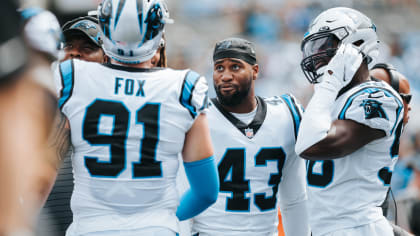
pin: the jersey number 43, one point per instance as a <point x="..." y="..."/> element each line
<point x="234" y="162"/>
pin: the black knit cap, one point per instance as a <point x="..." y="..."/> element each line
<point x="235" y="48"/>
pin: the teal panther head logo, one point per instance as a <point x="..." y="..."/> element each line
<point x="373" y="109"/>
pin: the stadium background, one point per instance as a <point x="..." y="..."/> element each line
<point x="277" y="27"/>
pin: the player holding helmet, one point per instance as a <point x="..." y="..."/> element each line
<point x="351" y="128"/>
<point x="129" y="122"/>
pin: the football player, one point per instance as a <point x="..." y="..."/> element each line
<point x="28" y="104"/>
<point x="83" y="40"/>
<point x="129" y="121"/>
<point x="254" y="140"/>
<point x="387" y="73"/>
<point x="351" y="127"/>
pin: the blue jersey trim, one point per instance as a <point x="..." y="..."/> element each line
<point x="67" y="79"/>
<point x="297" y="117"/>
<point x="188" y="86"/>
<point x="342" y="114"/>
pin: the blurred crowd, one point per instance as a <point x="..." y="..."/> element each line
<point x="277" y="27"/>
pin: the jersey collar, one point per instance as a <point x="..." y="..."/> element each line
<point x="248" y="130"/>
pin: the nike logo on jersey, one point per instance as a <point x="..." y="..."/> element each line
<point x="377" y="94"/>
<point x="128" y="86"/>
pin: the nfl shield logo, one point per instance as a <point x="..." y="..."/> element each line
<point x="249" y="132"/>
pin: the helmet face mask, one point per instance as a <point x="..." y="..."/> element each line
<point x="132" y="28"/>
<point x="317" y="52"/>
<point x="328" y="31"/>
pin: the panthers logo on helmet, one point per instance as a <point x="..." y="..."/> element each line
<point x="373" y="109"/>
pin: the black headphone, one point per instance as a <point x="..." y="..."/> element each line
<point x="394" y="77"/>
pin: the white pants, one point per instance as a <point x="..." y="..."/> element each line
<point x="377" y="228"/>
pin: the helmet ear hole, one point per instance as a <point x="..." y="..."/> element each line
<point x="358" y="42"/>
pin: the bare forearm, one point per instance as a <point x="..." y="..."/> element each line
<point x="344" y="137"/>
<point x="59" y="140"/>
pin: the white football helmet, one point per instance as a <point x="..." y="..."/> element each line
<point x="329" y="30"/>
<point x="132" y="28"/>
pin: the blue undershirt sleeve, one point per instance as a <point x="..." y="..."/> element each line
<point x="204" y="188"/>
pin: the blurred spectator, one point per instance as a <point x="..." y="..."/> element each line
<point x="261" y="24"/>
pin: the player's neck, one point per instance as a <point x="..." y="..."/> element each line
<point x="362" y="75"/>
<point x="146" y="65"/>
<point x="246" y="106"/>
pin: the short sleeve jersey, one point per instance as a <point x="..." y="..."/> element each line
<point x="348" y="191"/>
<point x="128" y="126"/>
<point x="258" y="168"/>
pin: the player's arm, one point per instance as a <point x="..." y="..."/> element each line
<point x="59" y="139"/>
<point x="200" y="169"/>
<point x="58" y="143"/>
<point x="58" y="146"/>
<point x="292" y="197"/>
<point x="317" y="130"/>
<point x="343" y="138"/>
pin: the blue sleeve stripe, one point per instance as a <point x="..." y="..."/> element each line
<point x="67" y="79"/>
<point x="297" y="117"/>
<point x="342" y="114"/>
<point x="188" y="86"/>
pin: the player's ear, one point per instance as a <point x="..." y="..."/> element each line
<point x="106" y="59"/>
<point x="156" y="58"/>
<point x="255" y="70"/>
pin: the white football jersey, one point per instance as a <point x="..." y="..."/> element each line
<point x="128" y="126"/>
<point x="347" y="192"/>
<point x="256" y="163"/>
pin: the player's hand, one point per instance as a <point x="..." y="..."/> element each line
<point x="340" y="70"/>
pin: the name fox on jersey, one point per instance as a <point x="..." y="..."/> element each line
<point x="130" y="85"/>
